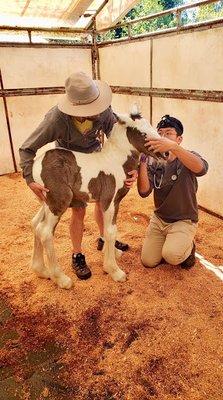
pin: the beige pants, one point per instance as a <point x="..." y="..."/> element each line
<point x="171" y="241"/>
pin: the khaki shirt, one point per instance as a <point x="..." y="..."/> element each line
<point x="60" y="127"/>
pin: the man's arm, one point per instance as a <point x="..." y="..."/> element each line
<point x="190" y="160"/>
<point x="143" y="183"/>
<point x="48" y="131"/>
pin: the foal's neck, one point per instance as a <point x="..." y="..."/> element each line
<point x="118" y="142"/>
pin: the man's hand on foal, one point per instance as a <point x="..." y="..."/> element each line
<point x="161" y="145"/>
<point x="39" y="190"/>
<point x="133" y="177"/>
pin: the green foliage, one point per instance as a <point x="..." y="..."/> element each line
<point x="166" y="4"/>
<point x="169" y="20"/>
<point x="148" y="7"/>
<point x="210" y="11"/>
<point x="145" y="7"/>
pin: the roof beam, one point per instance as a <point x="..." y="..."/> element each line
<point x="43" y="29"/>
<point x="97" y="12"/>
<point x="25" y="7"/>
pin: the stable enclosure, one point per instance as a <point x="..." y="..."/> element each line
<point x="177" y="73"/>
<point x="159" y="335"/>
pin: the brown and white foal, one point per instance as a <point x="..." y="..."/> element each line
<point x="97" y="177"/>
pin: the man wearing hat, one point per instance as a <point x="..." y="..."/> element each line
<point x="75" y="124"/>
<point x="171" y="231"/>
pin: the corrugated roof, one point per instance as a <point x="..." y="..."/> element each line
<point x="113" y="11"/>
<point x="53" y="13"/>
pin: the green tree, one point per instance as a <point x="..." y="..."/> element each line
<point x="146" y="7"/>
<point x="169" y="20"/>
<point x="210" y="11"/>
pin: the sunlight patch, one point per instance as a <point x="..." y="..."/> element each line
<point x="217" y="270"/>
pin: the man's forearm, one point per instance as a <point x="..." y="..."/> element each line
<point x="26" y="163"/>
<point x="48" y="131"/>
<point x="190" y="160"/>
<point x="143" y="183"/>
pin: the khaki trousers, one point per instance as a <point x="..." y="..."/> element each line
<point x="171" y="241"/>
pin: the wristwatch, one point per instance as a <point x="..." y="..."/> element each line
<point x="143" y="158"/>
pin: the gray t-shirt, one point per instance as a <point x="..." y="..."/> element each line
<point x="175" y="188"/>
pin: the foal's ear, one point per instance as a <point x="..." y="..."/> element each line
<point x="135" y="112"/>
<point x="136" y="116"/>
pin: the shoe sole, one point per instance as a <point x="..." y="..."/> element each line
<point x="85" y="277"/>
<point x="188" y="267"/>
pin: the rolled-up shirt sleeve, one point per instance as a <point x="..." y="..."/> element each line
<point x="205" y="163"/>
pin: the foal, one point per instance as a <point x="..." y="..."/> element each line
<point x="88" y="177"/>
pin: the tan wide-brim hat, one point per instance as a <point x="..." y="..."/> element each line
<point x="84" y="96"/>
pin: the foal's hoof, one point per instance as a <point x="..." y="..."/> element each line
<point x="43" y="275"/>
<point x="40" y="272"/>
<point x="119" y="276"/>
<point x="65" y="282"/>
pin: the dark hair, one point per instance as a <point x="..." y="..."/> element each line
<point x="171" y="122"/>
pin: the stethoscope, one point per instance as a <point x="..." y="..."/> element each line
<point x="174" y="177"/>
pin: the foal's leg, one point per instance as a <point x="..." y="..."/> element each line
<point x="110" y="229"/>
<point x="45" y="230"/>
<point x="121" y="193"/>
<point x="118" y="253"/>
<point x="38" y="264"/>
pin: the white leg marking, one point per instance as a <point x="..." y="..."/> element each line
<point x="37" y="263"/>
<point x="110" y="265"/>
<point x="45" y="231"/>
<point x="118" y="253"/>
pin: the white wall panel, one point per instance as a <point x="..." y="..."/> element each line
<point x="126" y="64"/>
<point x="193" y="60"/>
<point x="6" y="164"/>
<point x="26" y="113"/>
<point x="203" y="125"/>
<point x="40" y="67"/>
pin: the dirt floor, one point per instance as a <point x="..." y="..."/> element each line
<point x="157" y="336"/>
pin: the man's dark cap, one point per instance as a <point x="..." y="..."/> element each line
<point x="171" y="122"/>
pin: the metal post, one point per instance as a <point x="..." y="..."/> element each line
<point x="129" y="31"/>
<point x="95" y="54"/>
<point x="30" y="36"/>
<point x="151" y="80"/>
<point x="8" y="123"/>
<point x="93" y="57"/>
<point x="178" y="18"/>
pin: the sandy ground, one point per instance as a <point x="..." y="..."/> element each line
<point x="157" y="336"/>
